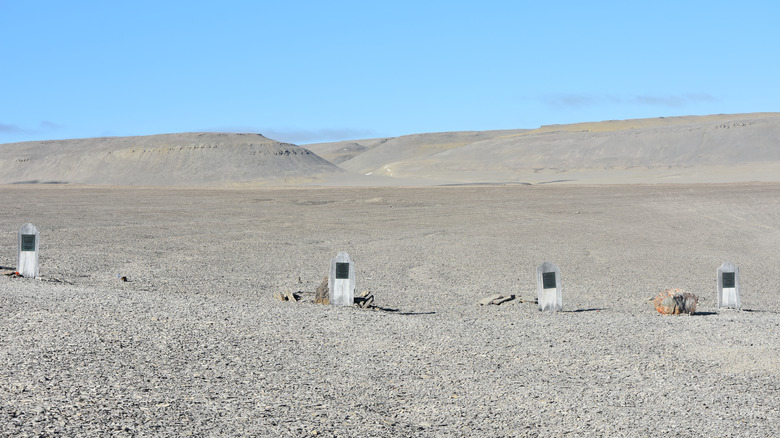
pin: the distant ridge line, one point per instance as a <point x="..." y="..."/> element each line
<point x="710" y="148"/>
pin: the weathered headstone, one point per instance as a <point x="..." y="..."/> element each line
<point x="728" y="286"/>
<point x="341" y="281"/>
<point x="548" y="280"/>
<point x="27" y="255"/>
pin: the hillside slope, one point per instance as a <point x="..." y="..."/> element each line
<point x="705" y="147"/>
<point x="166" y="160"/>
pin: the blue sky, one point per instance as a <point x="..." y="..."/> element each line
<point x="310" y="71"/>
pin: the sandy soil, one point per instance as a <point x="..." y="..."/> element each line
<point x="195" y="344"/>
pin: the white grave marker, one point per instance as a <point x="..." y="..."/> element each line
<point x="728" y="286"/>
<point x="27" y="255"/>
<point x="548" y="280"/>
<point x="341" y="281"/>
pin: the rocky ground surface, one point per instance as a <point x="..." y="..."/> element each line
<point x="195" y="344"/>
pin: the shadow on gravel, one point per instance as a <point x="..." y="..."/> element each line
<point x="398" y="312"/>
<point x="598" y="309"/>
<point x="35" y="181"/>
<point x="555" y="181"/>
<point x="704" y="313"/>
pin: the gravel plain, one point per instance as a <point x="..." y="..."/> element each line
<point x="195" y="344"/>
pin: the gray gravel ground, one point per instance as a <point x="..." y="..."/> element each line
<point x="194" y="343"/>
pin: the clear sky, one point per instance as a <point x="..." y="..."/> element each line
<point x="310" y="71"/>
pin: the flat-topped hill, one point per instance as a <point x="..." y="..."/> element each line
<point x="160" y="160"/>
<point x="735" y="147"/>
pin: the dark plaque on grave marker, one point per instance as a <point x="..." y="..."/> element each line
<point x="548" y="280"/>
<point x="28" y="242"/>
<point x="729" y="281"/>
<point x="342" y="271"/>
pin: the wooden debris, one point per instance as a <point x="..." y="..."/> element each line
<point x="489" y="300"/>
<point x="496" y="299"/>
<point x="286" y="296"/>
<point x="364" y="300"/>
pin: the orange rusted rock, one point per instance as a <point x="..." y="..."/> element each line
<point x="675" y="302"/>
